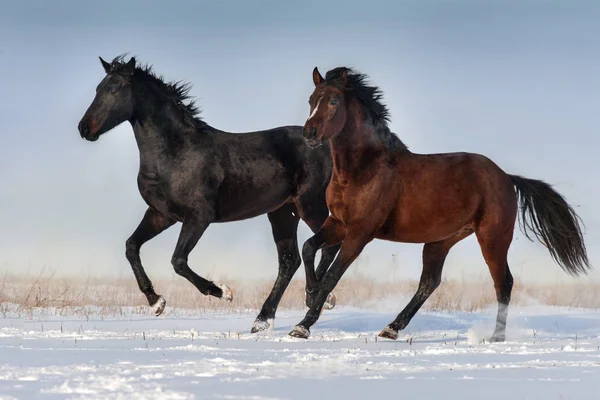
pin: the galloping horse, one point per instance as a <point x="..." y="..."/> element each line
<point x="193" y="173"/>
<point x="381" y="190"/>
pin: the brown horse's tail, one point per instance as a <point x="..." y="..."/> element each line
<point x="546" y="214"/>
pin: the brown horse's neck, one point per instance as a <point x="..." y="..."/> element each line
<point x="354" y="149"/>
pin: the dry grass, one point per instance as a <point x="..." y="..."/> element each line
<point x="26" y="295"/>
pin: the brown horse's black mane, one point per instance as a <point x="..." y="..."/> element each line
<point x="370" y="97"/>
<point x="178" y="91"/>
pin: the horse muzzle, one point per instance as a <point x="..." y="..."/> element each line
<point x="86" y="130"/>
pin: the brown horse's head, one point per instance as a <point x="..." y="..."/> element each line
<point x="327" y="107"/>
<point x="343" y="101"/>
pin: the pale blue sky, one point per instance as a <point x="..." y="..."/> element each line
<point x="518" y="82"/>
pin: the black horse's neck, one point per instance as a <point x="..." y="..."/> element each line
<point x="162" y="128"/>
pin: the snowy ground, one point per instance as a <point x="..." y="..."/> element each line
<point x="551" y="353"/>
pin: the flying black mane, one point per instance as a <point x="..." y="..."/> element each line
<point x="371" y="99"/>
<point x="178" y="91"/>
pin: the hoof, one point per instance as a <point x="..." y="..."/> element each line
<point x="159" y="306"/>
<point x="388" y="333"/>
<point x="227" y="293"/>
<point x="299" y="332"/>
<point x="262" y="325"/>
<point x="330" y="302"/>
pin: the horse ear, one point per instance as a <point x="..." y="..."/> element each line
<point x="344" y="77"/>
<point x="130" y="66"/>
<point x="317" y="78"/>
<point x="106" y="65"/>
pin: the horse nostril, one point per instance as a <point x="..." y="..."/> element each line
<point x="84" y="128"/>
<point x="310" y="133"/>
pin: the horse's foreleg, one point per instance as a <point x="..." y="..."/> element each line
<point x="191" y="231"/>
<point x="327" y="257"/>
<point x="351" y="248"/>
<point x="327" y="238"/>
<point x="151" y="225"/>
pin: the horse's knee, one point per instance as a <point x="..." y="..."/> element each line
<point x="328" y="253"/>
<point x="292" y="260"/>
<point x="428" y="286"/>
<point x="308" y="250"/>
<point x="291" y="265"/>
<point x="179" y="265"/>
<point x="435" y="282"/>
<point x="287" y="251"/>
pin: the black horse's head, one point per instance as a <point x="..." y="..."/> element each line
<point x="114" y="101"/>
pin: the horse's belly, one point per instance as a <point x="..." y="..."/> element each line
<point x="425" y="227"/>
<point x="422" y="235"/>
<point x="238" y="205"/>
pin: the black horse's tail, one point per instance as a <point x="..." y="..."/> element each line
<point x="546" y="214"/>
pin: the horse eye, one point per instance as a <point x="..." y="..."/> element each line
<point x="333" y="102"/>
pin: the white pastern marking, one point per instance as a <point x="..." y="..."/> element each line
<point x="227" y="293"/>
<point x="159" y="306"/>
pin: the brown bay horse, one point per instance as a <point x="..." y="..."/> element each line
<point x="381" y="190"/>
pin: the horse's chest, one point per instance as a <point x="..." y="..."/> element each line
<point x="155" y="193"/>
<point x="339" y="202"/>
<point x="359" y="201"/>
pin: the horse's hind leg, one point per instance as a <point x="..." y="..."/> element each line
<point x="284" y="223"/>
<point x="494" y="246"/>
<point x="151" y="225"/>
<point x="434" y="255"/>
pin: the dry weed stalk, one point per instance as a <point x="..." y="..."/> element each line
<point x="106" y="297"/>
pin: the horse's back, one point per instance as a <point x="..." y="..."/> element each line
<point x="265" y="169"/>
<point x="308" y="169"/>
<point x="460" y="170"/>
<point x="442" y="194"/>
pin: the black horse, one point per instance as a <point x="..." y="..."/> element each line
<point x="193" y="173"/>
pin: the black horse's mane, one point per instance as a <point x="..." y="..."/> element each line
<point x="371" y="99"/>
<point x="177" y="91"/>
